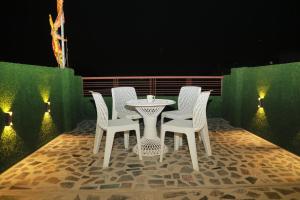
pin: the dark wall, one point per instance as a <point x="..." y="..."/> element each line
<point x="23" y="91"/>
<point x="278" y="120"/>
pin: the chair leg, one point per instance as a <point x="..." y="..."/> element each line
<point x="205" y="138"/>
<point x="199" y="136"/>
<point x="162" y="143"/>
<point x="180" y="140"/>
<point x="138" y="141"/>
<point x="193" y="150"/>
<point x="176" y="141"/>
<point x="108" y="147"/>
<point x="114" y="114"/>
<point x="162" y="120"/>
<point x="126" y="139"/>
<point x="98" y="137"/>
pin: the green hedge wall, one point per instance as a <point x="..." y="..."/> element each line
<point x="23" y="91"/>
<point x="279" y="120"/>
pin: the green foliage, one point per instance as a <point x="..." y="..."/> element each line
<point x="278" y="121"/>
<point x="23" y="90"/>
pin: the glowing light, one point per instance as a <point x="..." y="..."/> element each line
<point x="261" y="94"/>
<point x="260" y="102"/>
<point x="259" y="120"/>
<point x="262" y="87"/>
<point x="45" y="95"/>
<point x="8" y="119"/>
<point x="6" y="102"/>
<point x="8" y="139"/>
<point x="260" y="113"/>
<point x="44" y="89"/>
<point x="47" y="106"/>
<point x="5" y="107"/>
<point x="262" y="90"/>
<point x="47" y="127"/>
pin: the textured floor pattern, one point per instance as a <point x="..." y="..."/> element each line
<point x="243" y="166"/>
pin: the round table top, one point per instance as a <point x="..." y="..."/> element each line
<point x="145" y="102"/>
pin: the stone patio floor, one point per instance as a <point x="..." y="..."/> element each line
<point x="243" y="166"/>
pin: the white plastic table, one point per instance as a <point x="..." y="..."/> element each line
<point x="150" y="142"/>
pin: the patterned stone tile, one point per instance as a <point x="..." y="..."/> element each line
<point x="243" y="166"/>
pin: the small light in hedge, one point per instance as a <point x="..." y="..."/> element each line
<point x="47" y="106"/>
<point x="260" y="102"/>
<point x="8" y="119"/>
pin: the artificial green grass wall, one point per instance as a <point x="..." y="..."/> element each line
<point x="23" y="91"/>
<point x="278" y="121"/>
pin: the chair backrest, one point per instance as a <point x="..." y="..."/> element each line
<point x="187" y="98"/>
<point x="120" y="95"/>
<point x="199" y="112"/>
<point x="102" y="111"/>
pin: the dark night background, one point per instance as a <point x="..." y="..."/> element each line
<point x="155" y="37"/>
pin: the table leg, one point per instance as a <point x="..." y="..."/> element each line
<point x="150" y="131"/>
<point x="150" y="142"/>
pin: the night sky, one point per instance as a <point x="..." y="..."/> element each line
<point x="156" y="37"/>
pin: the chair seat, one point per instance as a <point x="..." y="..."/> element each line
<point x="177" y="114"/>
<point x="129" y="115"/>
<point x="121" y="123"/>
<point x="179" y="125"/>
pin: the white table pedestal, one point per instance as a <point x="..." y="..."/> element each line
<point x="150" y="142"/>
<point x="150" y="147"/>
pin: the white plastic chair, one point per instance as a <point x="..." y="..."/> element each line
<point x="189" y="127"/>
<point x="111" y="127"/>
<point x="186" y="100"/>
<point x="120" y="95"/>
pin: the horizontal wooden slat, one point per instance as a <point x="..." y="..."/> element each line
<point x="156" y="85"/>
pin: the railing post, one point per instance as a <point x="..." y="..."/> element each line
<point x="154" y="86"/>
<point x="188" y="81"/>
<point x="221" y="89"/>
<point x="151" y="89"/>
<point x="115" y="82"/>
